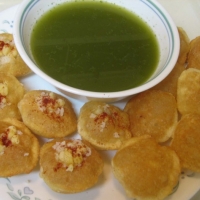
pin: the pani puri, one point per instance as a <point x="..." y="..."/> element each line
<point x="188" y="91"/>
<point x="11" y="92"/>
<point x="48" y="114"/>
<point x="10" y="60"/>
<point x="193" y="59"/>
<point x="154" y="113"/>
<point x="19" y="148"/>
<point x="169" y="84"/>
<point x="145" y="169"/>
<point x="186" y="142"/>
<point x="70" y="166"/>
<point x="184" y="46"/>
<point x="104" y="126"/>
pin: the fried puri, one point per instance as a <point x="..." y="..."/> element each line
<point x="10" y="60"/>
<point x="48" y="114"/>
<point x="188" y="91"/>
<point x="186" y="142"/>
<point x="19" y="148"/>
<point x="169" y="84"/>
<point x="104" y="126"/>
<point x="184" y="46"/>
<point x="154" y="113"/>
<point x="193" y="59"/>
<point x="70" y="166"/>
<point x="11" y="92"/>
<point x="145" y="169"/>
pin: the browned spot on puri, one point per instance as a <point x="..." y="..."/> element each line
<point x="102" y="116"/>
<point x="1" y="45"/>
<point x="58" y="166"/>
<point x="4" y="138"/>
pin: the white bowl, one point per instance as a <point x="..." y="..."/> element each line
<point x="149" y="10"/>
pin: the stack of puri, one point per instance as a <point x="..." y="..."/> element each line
<point x="165" y="128"/>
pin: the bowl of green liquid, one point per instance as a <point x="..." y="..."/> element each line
<point x="97" y="49"/>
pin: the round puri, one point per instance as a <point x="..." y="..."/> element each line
<point x="146" y="170"/>
<point x="11" y="92"/>
<point x="19" y="148"/>
<point x="10" y="60"/>
<point x="169" y="84"/>
<point x="104" y="126"/>
<point x="153" y="113"/>
<point x="184" y="46"/>
<point x="186" y="142"/>
<point x="193" y="58"/>
<point x="69" y="166"/>
<point x="188" y="91"/>
<point x="48" y="114"/>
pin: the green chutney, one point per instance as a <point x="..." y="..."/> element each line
<point x="95" y="46"/>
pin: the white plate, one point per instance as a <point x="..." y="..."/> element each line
<point x="32" y="187"/>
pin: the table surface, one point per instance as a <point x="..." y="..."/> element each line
<point x="4" y="4"/>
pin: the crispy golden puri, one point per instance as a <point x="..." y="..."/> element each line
<point x="188" y="91"/>
<point x="11" y="92"/>
<point x="70" y="166"/>
<point x="48" y="114"/>
<point x="104" y="126"/>
<point x="146" y="170"/>
<point x="154" y="113"/>
<point x="19" y="148"/>
<point x="186" y="142"/>
<point x="10" y="60"/>
<point x="169" y="84"/>
<point x="193" y="59"/>
<point x="184" y="46"/>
